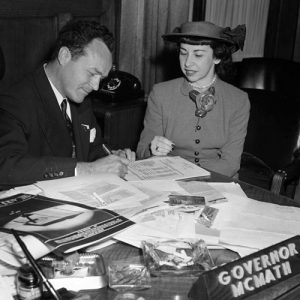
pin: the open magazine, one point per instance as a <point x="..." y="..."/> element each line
<point x="61" y="225"/>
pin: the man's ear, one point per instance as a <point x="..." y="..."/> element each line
<point x="64" y="55"/>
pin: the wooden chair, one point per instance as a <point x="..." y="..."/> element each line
<point x="271" y="157"/>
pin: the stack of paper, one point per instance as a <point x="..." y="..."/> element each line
<point x="101" y="191"/>
<point x="253" y="224"/>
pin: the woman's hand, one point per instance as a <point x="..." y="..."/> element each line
<point x="161" y="146"/>
<point x="126" y="153"/>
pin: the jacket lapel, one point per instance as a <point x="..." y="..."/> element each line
<point x="81" y="133"/>
<point x="50" y="117"/>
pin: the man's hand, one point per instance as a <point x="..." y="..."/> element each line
<point x="112" y="164"/>
<point x="126" y="153"/>
<point x="161" y="146"/>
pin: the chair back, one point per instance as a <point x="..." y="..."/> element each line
<point x="271" y="74"/>
<point x="273" y="87"/>
<point x="273" y="128"/>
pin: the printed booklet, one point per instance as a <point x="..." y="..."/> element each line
<point x="61" y="225"/>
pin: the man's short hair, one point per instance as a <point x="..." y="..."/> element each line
<point x="77" y="34"/>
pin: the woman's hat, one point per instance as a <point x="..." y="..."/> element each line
<point x="205" y="30"/>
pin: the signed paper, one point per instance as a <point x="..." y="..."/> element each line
<point x="164" y="167"/>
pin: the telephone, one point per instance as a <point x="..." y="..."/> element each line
<point x="120" y="86"/>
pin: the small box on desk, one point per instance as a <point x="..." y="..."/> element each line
<point x="259" y="272"/>
<point x="84" y="272"/>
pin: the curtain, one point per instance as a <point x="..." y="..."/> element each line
<point x="253" y="13"/>
<point x="142" y="49"/>
<point x="283" y="30"/>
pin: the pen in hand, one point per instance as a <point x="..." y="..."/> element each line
<point x="106" y="149"/>
<point x="121" y="153"/>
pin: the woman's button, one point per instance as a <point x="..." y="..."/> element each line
<point x="196" y="152"/>
<point x="197" y="141"/>
<point x="198" y="127"/>
<point x="196" y="160"/>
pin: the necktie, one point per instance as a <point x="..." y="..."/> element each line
<point x="68" y="124"/>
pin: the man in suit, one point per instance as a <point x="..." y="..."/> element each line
<point x="47" y="127"/>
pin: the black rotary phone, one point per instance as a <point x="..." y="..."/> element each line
<point x="119" y="86"/>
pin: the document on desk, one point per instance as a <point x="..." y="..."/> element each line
<point x="143" y="232"/>
<point x="249" y="223"/>
<point x="101" y="191"/>
<point x="160" y="220"/>
<point x="203" y="189"/>
<point x="164" y="221"/>
<point x="164" y="167"/>
<point x="26" y="189"/>
<point x="6" y="288"/>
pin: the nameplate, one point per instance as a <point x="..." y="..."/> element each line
<point x="250" y="274"/>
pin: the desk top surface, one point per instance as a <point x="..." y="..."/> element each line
<point x="177" y="288"/>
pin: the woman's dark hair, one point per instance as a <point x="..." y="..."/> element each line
<point x="221" y="50"/>
<point x="77" y="34"/>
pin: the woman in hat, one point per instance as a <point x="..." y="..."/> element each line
<point x="198" y="116"/>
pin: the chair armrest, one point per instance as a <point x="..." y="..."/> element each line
<point x="292" y="171"/>
<point x="289" y="174"/>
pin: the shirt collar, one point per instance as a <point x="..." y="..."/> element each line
<point x="58" y="95"/>
<point x="186" y="87"/>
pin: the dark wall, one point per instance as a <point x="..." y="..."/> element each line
<point x="29" y="28"/>
<point x="283" y="30"/>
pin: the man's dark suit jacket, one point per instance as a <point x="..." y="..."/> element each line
<point x="34" y="141"/>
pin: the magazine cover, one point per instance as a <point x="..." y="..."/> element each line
<point x="63" y="225"/>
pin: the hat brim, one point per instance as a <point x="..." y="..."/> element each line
<point x="176" y="37"/>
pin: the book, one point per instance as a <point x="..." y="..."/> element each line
<point x="60" y="225"/>
<point x="164" y="167"/>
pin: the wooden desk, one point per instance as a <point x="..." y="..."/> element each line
<point x="177" y="288"/>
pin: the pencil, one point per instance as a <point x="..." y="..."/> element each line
<point x="36" y="267"/>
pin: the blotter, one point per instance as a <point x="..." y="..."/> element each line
<point x="251" y="274"/>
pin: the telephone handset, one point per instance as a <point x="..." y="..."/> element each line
<point x="120" y="86"/>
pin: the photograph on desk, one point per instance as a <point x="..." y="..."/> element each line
<point x="61" y="225"/>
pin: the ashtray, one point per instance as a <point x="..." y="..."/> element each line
<point x="180" y="257"/>
<point x="125" y="276"/>
<point x="80" y="271"/>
